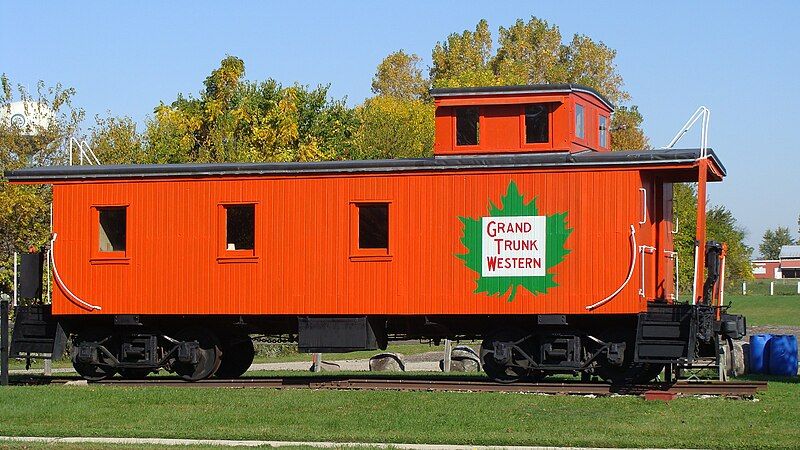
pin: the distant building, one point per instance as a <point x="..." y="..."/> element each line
<point x="786" y="266"/>
<point x="766" y="268"/>
<point x="790" y="261"/>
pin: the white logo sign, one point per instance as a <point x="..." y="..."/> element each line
<point x="513" y="246"/>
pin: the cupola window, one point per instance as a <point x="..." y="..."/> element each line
<point x="467" y="126"/>
<point x="580" y="131"/>
<point x="537" y="124"/>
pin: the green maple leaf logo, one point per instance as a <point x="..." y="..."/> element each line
<point x="513" y="204"/>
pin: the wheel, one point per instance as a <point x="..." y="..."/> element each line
<point x="92" y="371"/>
<point x="505" y="367"/>
<point x="208" y="355"/>
<point x="237" y="356"/>
<point x="134" y="374"/>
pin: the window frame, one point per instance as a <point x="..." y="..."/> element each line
<point x="551" y="107"/>
<point x="225" y="256"/>
<point x="455" y="126"/>
<point x="602" y="132"/>
<point x="99" y="257"/>
<point x="358" y="254"/>
<point x="575" y="121"/>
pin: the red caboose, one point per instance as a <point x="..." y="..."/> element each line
<point x="523" y="230"/>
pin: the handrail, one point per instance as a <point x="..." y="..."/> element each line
<point x="694" y="283"/>
<point x="88" y="153"/>
<point x="705" y="114"/>
<point x="644" y="249"/>
<point x="74" y="298"/>
<point x="627" y="279"/>
<point x="644" y="206"/>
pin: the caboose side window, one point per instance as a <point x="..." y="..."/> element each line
<point x="112" y="229"/>
<point x="240" y="227"/>
<point x="373" y="226"/>
<point x="369" y="230"/>
<point x="579" y="122"/>
<point x="537" y="124"/>
<point x="467" y="126"/>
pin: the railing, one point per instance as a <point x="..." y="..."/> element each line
<point x="84" y="152"/>
<point x="701" y="113"/>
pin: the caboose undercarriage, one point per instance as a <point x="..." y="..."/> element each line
<point x="621" y="349"/>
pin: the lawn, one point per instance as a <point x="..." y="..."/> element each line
<point x="388" y="416"/>
<point x="405" y="348"/>
<point x="8" y="445"/>
<point x="767" y="310"/>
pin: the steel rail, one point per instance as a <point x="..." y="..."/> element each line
<point x="736" y="388"/>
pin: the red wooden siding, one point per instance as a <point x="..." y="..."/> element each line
<point x="302" y="259"/>
<point x="502" y="124"/>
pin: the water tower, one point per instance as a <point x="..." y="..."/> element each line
<point x="28" y="116"/>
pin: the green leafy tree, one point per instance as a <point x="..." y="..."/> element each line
<point x="25" y="210"/>
<point x="533" y="52"/>
<point x="115" y="140"/>
<point x="394" y="128"/>
<point x="238" y="120"/>
<point x="773" y="240"/>
<point x="626" y="129"/>
<point x="721" y="226"/>
<point x="529" y="53"/>
<point x="399" y="76"/>
<point x="464" y="59"/>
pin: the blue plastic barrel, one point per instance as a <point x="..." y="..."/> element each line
<point x="759" y="356"/>
<point x="783" y="355"/>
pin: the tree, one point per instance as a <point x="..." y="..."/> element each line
<point x="529" y="53"/>
<point x="772" y="241"/>
<point x="115" y="140"/>
<point x="24" y="210"/>
<point x="463" y="60"/>
<point x="399" y="76"/>
<point x="394" y="128"/>
<point x="533" y="52"/>
<point x="238" y="120"/>
<point x="626" y="129"/>
<point x="721" y="226"/>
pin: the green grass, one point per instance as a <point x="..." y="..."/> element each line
<point x="405" y="349"/>
<point x="766" y="310"/>
<point x="388" y="416"/>
<point x="787" y="286"/>
<point x="4" y="445"/>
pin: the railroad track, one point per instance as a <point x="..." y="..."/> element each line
<point x="738" y="388"/>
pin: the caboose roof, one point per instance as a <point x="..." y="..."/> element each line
<point x="561" y="160"/>
<point x="558" y="88"/>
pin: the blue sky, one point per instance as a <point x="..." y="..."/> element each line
<point x="739" y="59"/>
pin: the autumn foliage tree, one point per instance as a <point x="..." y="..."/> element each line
<point x="399" y="76"/>
<point x="24" y="210"/>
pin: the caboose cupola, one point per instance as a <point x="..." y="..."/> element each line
<point x="521" y="119"/>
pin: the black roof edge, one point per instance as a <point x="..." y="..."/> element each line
<point x="519" y="89"/>
<point x="472" y="162"/>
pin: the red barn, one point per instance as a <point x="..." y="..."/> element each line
<point x="523" y="229"/>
